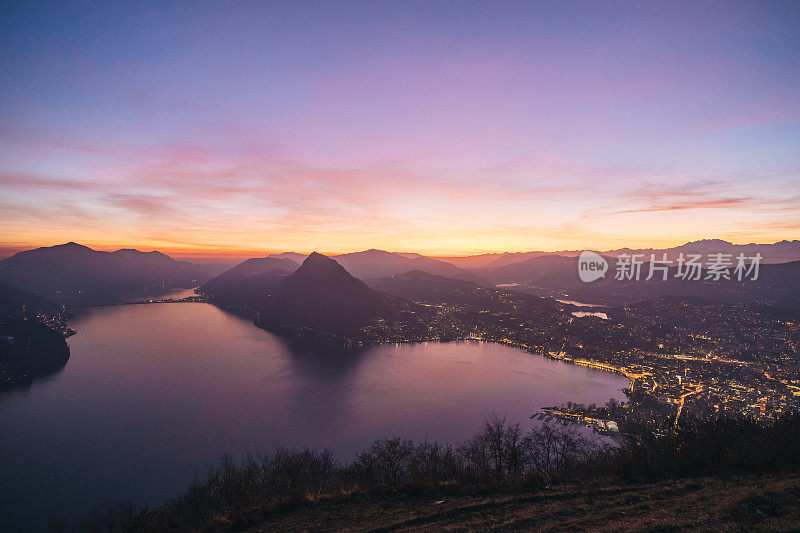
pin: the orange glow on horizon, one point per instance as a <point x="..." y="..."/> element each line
<point x="221" y="253"/>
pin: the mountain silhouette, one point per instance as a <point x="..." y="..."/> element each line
<point x="75" y="274"/>
<point x="321" y="295"/>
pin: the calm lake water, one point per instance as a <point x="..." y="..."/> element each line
<point x="154" y="393"/>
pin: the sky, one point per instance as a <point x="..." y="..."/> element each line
<point x="438" y="127"/>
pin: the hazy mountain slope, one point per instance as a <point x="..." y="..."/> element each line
<point x="248" y="283"/>
<point x="372" y="264"/>
<point x="294" y="256"/>
<point x="546" y="271"/>
<point x="470" y="261"/>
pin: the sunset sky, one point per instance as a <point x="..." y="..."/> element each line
<point x="437" y="127"/>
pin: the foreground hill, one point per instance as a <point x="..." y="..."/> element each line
<point x="75" y="274"/>
<point x="320" y="295"/>
<point x="735" y="503"/>
<point x="708" y="475"/>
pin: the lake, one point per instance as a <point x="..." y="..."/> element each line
<point x="154" y="393"/>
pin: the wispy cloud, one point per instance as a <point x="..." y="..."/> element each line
<point x="723" y="203"/>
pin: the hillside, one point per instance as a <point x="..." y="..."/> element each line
<point x="17" y="302"/>
<point x="419" y="285"/>
<point x="32" y="331"/>
<point x="545" y="271"/>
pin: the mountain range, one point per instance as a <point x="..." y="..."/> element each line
<point x="374" y="264"/>
<point x="75" y="274"/>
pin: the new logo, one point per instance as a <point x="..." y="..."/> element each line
<point x="591" y="266"/>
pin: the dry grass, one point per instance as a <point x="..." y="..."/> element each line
<point x="737" y="503"/>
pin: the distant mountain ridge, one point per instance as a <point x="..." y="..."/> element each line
<point x="75" y="274"/>
<point x="777" y="284"/>
<point x="779" y="252"/>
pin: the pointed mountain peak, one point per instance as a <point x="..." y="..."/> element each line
<point x="317" y="257"/>
<point x="322" y="295"/>
<point x="317" y="264"/>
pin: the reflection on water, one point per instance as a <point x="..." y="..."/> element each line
<point x="153" y="394"/>
<point x="577" y="304"/>
<point x="580" y="314"/>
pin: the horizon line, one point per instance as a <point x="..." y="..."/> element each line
<point x="9" y="249"/>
